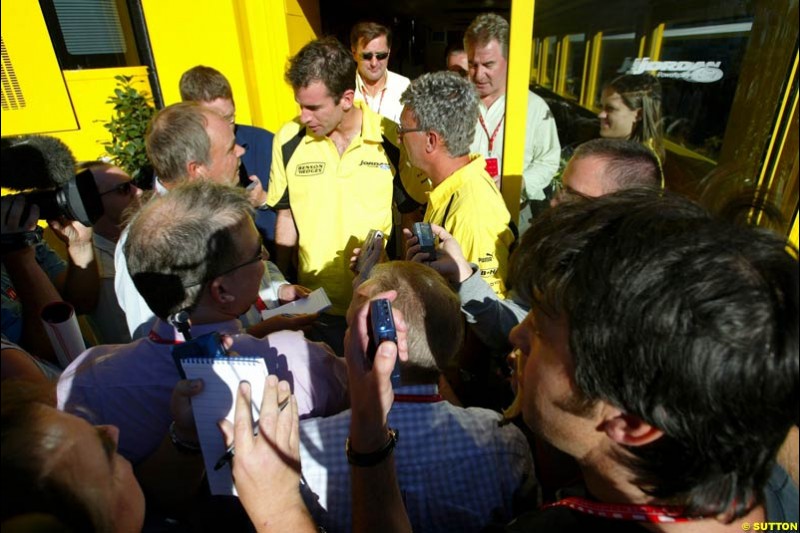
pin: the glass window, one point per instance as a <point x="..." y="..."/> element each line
<point x="90" y="33"/>
<point x="699" y="72"/>
<point x="550" y="59"/>
<point x="535" y="51"/>
<point x="617" y="52"/>
<point x="574" y="71"/>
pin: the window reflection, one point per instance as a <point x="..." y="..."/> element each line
<point x="699" y="72"/>
<point x="616" y="50"/>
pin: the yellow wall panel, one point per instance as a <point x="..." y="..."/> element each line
<point x="300" y="33"/>
<point x="307" y="9"/>
<point x="90" y="89"/>
<point x="198" y="32"/>
<point x="250" y="41"/>
<point x="38" y="102"/>
<point x="266" y="54"/>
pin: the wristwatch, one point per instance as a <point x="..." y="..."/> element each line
<point x="11" y="242"/>
<point x="372" y="458"/>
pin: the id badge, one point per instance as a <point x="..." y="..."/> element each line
<point x="491" y="166"/>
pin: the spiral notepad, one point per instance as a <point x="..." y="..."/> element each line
<point x="221" y="377"/>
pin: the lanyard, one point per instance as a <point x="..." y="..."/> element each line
<point x="158" y="339"/>
<point x="418" y="398"/>
<point x="494" y="134"/>
<point x="638" y="513"/>
<point x="380" y="102"/>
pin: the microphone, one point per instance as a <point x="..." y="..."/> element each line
<point x="36" y="162"/>
<point x="46" y="165"/>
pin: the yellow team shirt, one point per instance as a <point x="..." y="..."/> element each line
<point x="335" y="200"/>
<point x="470" y="207"/>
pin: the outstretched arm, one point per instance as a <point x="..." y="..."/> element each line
<point x="377" y="502"/>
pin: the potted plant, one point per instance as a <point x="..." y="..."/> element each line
<point x="132" y="114"/>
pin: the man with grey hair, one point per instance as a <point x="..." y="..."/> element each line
<point x="194" y="250"/>
<point x="436" y="128"/>
<point x="211" y="89"/>
<point x="187" y="142"/>
<point x="597" y="168"/>
<point x="486" y="42"/>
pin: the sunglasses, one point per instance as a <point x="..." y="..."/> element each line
<point x="123" y="189"/>
<point x="367" y="56"/>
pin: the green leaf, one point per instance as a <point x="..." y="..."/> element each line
<point x="132" y="113"/>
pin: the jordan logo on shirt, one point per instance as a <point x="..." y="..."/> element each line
<point x="376" y="164"/>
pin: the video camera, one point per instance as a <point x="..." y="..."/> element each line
<point x="44" y="167"/>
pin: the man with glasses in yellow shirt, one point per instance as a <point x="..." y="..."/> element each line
<point x="464" y="199"/>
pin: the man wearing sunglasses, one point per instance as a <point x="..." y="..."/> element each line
<point x="371" y="44"/>
<point x="117" y="193"/>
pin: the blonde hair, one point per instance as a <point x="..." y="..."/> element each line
<point x="432" y="312"/>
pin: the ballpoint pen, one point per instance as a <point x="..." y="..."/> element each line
<point x="230" y="452"/>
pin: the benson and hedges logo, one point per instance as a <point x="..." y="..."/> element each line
<point x="310" y="169"/>
<point x="691" y="71"/>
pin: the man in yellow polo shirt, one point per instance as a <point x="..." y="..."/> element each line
<point x="334" y="174"/>
<point x="436" y="128"/>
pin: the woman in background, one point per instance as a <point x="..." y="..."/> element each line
<point x="631" y="109"/>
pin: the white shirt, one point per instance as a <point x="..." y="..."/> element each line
<point x="387" y="101"/>
<point x="542" y="149"/>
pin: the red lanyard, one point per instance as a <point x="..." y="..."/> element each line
<point x="639" y="513"/>
<point x="418" y="398"/>
<point x="383" y="92"/>
<point x="260" y="305"/>
<point x="158" y="339"/>
<point x="493" y="135"/>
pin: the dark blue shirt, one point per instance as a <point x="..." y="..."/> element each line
<point x="257" y="159"/>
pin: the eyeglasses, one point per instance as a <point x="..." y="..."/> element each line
<point x="402" y="131"/>
<point x="565" y="193"/>
<point x="367" y="56"/>
<point x="124" y="189"/>
<point x="261" y="255"/>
